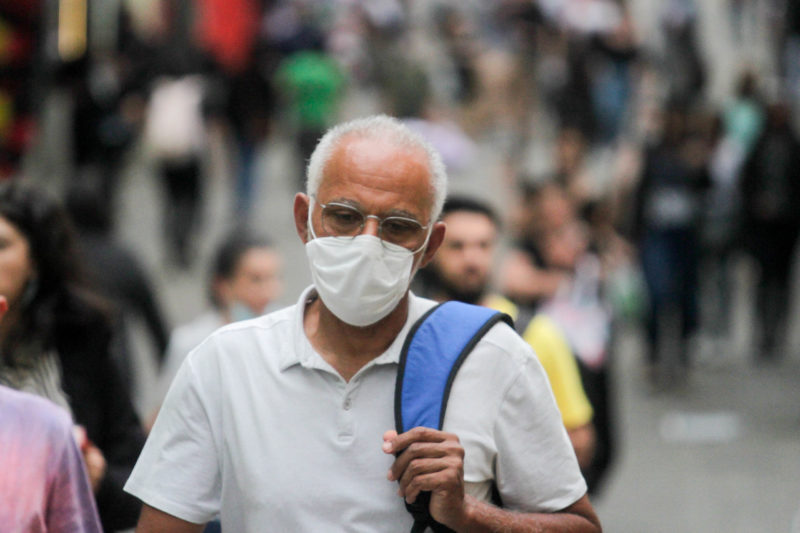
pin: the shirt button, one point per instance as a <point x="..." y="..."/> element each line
<point x="347" y="403"/>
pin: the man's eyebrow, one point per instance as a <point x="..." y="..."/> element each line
<point x="402" y="213"/>
<point x="394" y="212"/>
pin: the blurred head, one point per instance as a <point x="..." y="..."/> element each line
<point x="39" y="268"/>
<point x="561" y="236"/>
<point x="462" y="267"/>
<point x="37" y="245"/>
<point x="554" y="206"/>
<point x="570" y="150"/>
<point x="246" y="276"/>
<point x="563" y="245"/>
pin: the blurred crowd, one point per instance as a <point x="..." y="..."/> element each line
<point x="638" y="186"/>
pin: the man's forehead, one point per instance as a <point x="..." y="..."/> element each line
<point x="377" y="167"/>
<point x="468" y="221"/>
<point x="375" y="154"/>
<point x="462" y="233"/>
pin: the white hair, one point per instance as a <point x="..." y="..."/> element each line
<point x="385" y="127"/>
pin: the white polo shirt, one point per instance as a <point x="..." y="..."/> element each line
<point x="259" y="428"/>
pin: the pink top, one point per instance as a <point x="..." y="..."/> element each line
<point x="43" y="481"/>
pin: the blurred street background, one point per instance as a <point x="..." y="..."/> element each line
<point x="193" y="118"/>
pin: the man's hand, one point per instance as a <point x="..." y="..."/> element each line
<point x="433" y="461"/>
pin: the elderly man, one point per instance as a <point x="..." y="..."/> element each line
<point x="283" y="423"/>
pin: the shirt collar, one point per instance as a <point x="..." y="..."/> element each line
<point x="303" y="353"/>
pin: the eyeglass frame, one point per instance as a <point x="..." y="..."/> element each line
<point x="425" y="227"/>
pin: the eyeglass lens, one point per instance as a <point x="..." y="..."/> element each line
<point x="346" y="221"/>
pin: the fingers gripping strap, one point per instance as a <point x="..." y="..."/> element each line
<point x="432" y="354"/>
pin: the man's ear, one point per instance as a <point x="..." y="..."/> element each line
<point x="436" y="239"/>
<point x="302" y="204"/>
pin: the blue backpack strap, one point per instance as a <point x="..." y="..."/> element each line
<point x="436" y="346"/>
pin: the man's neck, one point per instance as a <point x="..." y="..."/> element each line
<point x="348" y="348"/>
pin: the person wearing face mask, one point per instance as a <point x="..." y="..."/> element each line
<point x="244" y="283"/>
<point x="284" y="422"/>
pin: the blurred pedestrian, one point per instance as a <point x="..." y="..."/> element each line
<point x="43" y="481"/>
<point x="175" y="128"/>
<point x="55" y="341"/>
<point x="234" y="36"/>
<point x="580" y="308"/>
<point x="245" y="282"/>
<point x="311" y="85"/>
<point x="669" y="195"/>
<point x="771" y="193"/>
<point x="720" y="231"/>
<point x="554" y="271"/>
<point x="524" y="276"/>
<point x="118" y="275"/>
<point x="175" y="136"/>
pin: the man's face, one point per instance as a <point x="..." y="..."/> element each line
<point x="463" y="262"/>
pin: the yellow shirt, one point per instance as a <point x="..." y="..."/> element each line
<point x="558" y="361"/>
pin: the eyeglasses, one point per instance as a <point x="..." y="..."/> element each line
<point x="343" y="220"/>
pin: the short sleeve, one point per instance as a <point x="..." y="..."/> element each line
<point x="536" y="469"/>
<point x="178" y="471"/>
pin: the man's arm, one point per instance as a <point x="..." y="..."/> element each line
<point x="154" y="521"/>
<point x="485" y="517"/>
<point x="433" y="461"/>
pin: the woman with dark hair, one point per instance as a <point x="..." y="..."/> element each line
<point x="55" y="341"/>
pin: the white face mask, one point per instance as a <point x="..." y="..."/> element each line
<point x="360" y="279"/>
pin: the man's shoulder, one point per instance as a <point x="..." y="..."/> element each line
<point x="501" y="341"/>
<point x="248" y="338"/>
